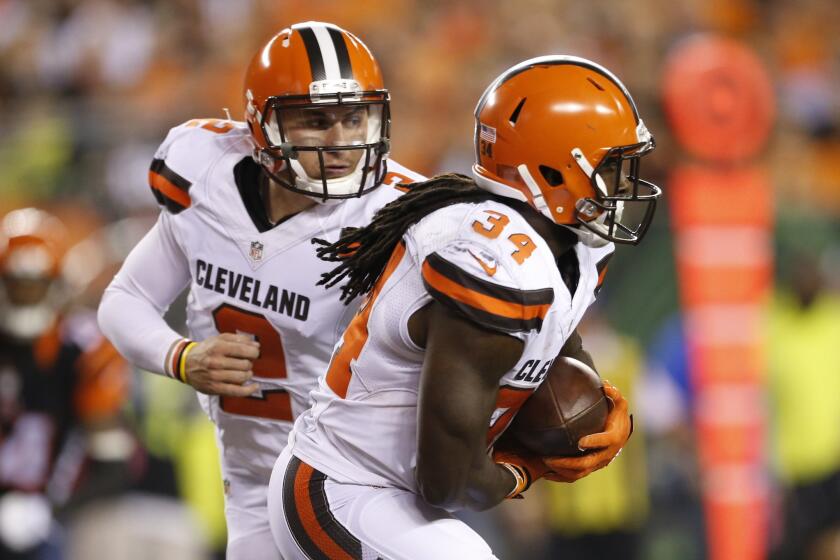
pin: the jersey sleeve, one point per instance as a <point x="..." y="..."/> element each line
<point x="183" y="158"/>
<point x="130" y="313"/>
<point x="471" y="272"/>
<point x="471" y="280"/>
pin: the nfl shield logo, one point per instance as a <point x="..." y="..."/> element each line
<point x="256" y="250"/>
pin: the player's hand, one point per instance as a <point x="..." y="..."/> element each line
<point x="605" y="445"/>
<point x="222" y="365"/>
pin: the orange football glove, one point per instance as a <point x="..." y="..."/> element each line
<point x="605" y="445"/>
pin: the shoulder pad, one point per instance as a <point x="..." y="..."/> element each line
<point x="476" y="275"/>
<point x="184" y="157"/>
<point x="497" y="305"/>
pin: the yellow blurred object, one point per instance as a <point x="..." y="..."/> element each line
<point x="34" y="156"/>
<point x="805" y="387"/>
<point x="200" y="477"/>
<point x="614" y="498"/>
<point x="177" y="429"/>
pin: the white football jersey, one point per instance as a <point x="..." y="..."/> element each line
<point x="249" y="277"/>
<point x="481" y="259"/>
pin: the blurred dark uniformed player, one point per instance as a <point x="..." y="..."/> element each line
<point x="61" y="386"/>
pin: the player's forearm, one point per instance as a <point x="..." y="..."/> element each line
<point x="136" y="329"/>
<point x="130" y="314"/>
<point x="489" y="484"/>
<point x="451" y="486"/>
<point x="454" y="470"/>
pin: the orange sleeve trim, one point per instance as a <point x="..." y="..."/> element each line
<point x="169" y="190"/>
<point x="481" y="301"/>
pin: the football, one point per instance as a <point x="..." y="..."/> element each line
<point x="569" y="404"/>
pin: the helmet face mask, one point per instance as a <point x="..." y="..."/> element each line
<point x="624" y="204"/>
<point x="318" y="112"/>
<point x="563" y="134"/>
<point x="328" y="142"/>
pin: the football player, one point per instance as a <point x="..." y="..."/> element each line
<point x="241" y="202"/>
<point x="61" y="389"/>
<point x="473" y="287"/>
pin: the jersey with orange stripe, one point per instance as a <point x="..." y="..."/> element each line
<point x="245" y="275"/>
<point x="487" y="263"/>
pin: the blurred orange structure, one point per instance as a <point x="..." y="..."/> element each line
<point x="721" y="106"/>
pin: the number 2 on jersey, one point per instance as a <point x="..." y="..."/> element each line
<point x="274" y="404"/>
<point x="218" y="126"/>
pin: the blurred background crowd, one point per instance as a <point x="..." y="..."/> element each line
<point x="89" y="88"/>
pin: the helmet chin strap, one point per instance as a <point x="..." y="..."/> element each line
<point x="588" y="238"/>
<point x="312" y="185"/>
<point x="349" y="184"/>
<point x="539" y="199"/>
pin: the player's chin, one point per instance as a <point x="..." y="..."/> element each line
<point x="337" y="171"/>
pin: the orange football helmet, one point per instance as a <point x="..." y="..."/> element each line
<point x="563" y="134"/>
<point x="31" y="250"/>
<point x="305" y="70"/>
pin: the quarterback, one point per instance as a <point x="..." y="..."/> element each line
<point x="241" y="202"/>
<point x="473" y="286"/>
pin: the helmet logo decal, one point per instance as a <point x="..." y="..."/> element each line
<point x="326" y="87"/>
<point x="486" y="139"/>
<point x="487" y="133"/>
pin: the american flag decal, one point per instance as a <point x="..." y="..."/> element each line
<point x="487" y="133"/>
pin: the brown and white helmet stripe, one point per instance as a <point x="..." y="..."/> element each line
<point x="328" y="56"/>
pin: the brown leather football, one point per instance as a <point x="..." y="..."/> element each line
<point x="569" y="404"/>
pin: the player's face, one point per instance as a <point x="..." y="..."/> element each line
<point x="328" y="126"/>
<point x="614" y="175"/>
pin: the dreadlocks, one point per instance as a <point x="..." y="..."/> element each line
<point x="364" y="252"/>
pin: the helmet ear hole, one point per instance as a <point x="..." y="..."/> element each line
<point x="553" y="177"/>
